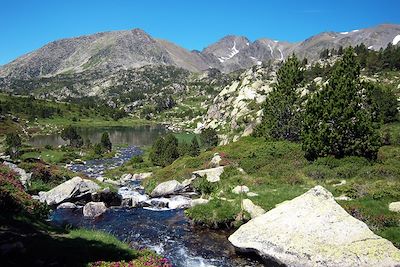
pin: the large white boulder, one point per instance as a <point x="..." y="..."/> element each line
<point x="179" y="202"/>
<point x="213" y="174"/>
<point x="313" y="230"/>
<point x="166" y="188"/>
<point x="94" y="209"/>
<point x="72" y="189"/>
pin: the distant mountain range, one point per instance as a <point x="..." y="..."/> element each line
<point x="110" y="51"/>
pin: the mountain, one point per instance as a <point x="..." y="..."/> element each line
<point x="110" y="51"/>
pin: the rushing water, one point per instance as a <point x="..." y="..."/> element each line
<point x="137" y="135"/>
<point x="167" y="232"/>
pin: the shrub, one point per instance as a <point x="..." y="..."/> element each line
<point x="216" y="213"/>
<point x="136" y="160"/>
<point x="203" y="186"/>
<point x="14" y="200"/>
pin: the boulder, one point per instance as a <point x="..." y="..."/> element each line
<point x="252" y="194"/>
<point x="166" y="188"/>
<point x="252" y="209"/>
<point x="240" y="189"/>
<point x="394" y="206"/>
<point x="94" y="209"/>
<point x="199" y="201"/>
<point x="179" y="202"/>
<point x="213" y="174"/>
<point x="72" y="189"/>
<point x="159" y="203"/>
<point x="141" y="176"/>
<point x="107" y="196"/>
<point x="215" y="160"/>
<point x="67" y="205"/>
<point x="126" y="177"/>
<point x="24" y="177"/>
<point x="313" y="230"/>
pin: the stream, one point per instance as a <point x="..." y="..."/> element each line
<point x="166" y="231"/>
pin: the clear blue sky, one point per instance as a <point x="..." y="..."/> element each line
<point x="28" y="25"/>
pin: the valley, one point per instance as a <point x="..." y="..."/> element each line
<point x="136" y="152"/>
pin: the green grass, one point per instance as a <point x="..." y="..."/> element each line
<point x="278" y="171"/>
<point x="50" y="156"/>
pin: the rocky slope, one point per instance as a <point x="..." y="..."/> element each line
<point x="111" y="51"/>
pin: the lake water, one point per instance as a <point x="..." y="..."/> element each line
<point x="134" y="136"/>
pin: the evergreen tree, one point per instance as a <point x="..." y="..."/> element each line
<point x="194" y="147"/>
<point x="382" y="101"/>
<point x="156" y="152"/>
<point x="209" y="138"/>
<point x="282" y="113"/>
<point x="170" y="153"/>
<point x="164" y="150"/>
<point x="70" y="133"/>
<point x="184" y="149"/>
<point x="105" y="142"/>
<point x="13" y="145"/>
<point x="337" y="120"/>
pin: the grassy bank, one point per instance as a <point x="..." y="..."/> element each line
<point x="278" y="171"/>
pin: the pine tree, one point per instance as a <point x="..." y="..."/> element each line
<point x="209" y="138"/>
<point x="282" y="108"/>
<point x="13" y="145"/>
<point x="337" y="120"/>
<point x="105" y="142"/>
<point x="194" y="147"/>
<point x="156" y="152"/>
<point x="70" y="133"/>
<point x="170" y="153"/>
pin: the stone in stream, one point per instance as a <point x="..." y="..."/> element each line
<point x="213" y="174"/>
<point x="179" y="202"/>
<point x="67" y="205"/>
<point x="167" y="188"/>
<point x="94" y="209"/>
<point x="199" y="201"/>
<point x="107" y="196"/>
<point x="313" y="230"/>
<point x="70" y="190"/>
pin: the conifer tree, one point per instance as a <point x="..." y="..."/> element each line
<point x="106" y="142"/>
<point x="282" y="108"/>
<point x="337" y="119"/>
<point x="194" y="147"/>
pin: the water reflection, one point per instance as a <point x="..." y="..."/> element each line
<point x="137" y="135"/>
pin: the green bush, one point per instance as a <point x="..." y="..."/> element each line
<point x="216" y="213"/>
<point x="204" y="187"/>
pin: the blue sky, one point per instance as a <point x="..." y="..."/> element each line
<point x="28" y="25"/>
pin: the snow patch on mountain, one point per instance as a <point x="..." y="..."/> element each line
<point x="344" y="33"/>
<point x="396" y="40"/>
<point x="233" y="52"/>
<point x="272" y="51"/>
<point x="280" y="51"/>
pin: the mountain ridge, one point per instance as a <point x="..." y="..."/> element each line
<point x="125" y="49"/>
